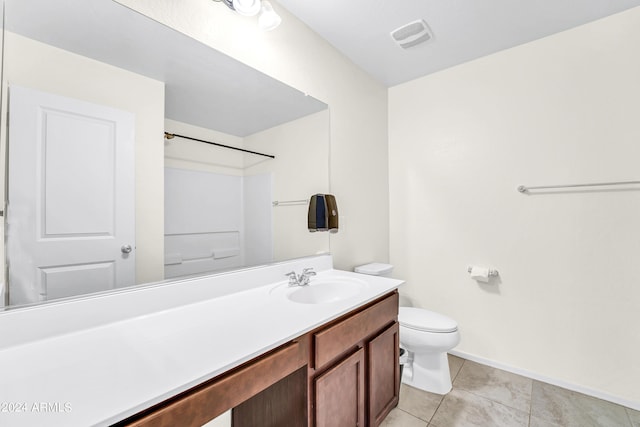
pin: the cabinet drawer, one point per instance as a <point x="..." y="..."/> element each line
<point x="335" y="340"/>
<point x="201" y="404"/>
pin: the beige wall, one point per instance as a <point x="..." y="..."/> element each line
<point x="186" y="154"/>
<point x="300" y="169"/>
<point x="564" y="109"/>
<point x="32" y="64"/>
<point x="297" y="56"/>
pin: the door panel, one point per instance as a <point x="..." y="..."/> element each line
<point x="340" y="394"/>
<point x="87" y="204"/>
<point x="71" y="197"/>
<point x="59" y="282"/>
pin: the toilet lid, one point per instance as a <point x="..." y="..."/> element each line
<point x="425" y="320"/>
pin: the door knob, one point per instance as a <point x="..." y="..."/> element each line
<point x="126" y="249"/>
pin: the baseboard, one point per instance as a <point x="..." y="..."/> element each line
<point x="554" y="381"/>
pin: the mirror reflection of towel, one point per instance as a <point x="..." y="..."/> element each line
<point x="323" y="213"/>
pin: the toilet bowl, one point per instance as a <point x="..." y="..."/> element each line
<point x="427" y="336"/>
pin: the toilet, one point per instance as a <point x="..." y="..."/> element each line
<point x="427" y="337"/>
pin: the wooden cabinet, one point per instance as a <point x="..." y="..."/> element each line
<point x="355" y="372"/>
<point x="343" y="374"/>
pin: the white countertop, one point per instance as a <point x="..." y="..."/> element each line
<point x="98" y="375"/>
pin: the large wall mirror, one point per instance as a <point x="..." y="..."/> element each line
<point x="98" y="199"/>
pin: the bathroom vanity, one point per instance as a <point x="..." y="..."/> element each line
<point x="343" y="373"/>
<point x="183" y="352"/>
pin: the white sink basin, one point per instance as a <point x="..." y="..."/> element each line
<point x="321" y="291"/>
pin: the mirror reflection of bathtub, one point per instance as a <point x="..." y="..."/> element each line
<point x="198" y="208"/>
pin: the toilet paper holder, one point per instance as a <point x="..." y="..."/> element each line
<point x="492" y="272"/>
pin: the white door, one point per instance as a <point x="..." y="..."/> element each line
<point x="71" y="194"/>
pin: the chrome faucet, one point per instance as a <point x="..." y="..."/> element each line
<point x="301" y="279"/>
<point x="306" y="276"/>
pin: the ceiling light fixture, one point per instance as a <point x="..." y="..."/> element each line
<point x="268" y="19"/>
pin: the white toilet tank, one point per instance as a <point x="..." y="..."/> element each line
<point x="375" y="269"/>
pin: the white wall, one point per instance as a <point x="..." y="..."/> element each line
<point x="204" y="201"/>
<point x="258" y="218"/>
<point x="564" y="109"/>
<point x="36" y="65"/>
<point x="297" y="56"/>
<point x="300" y="169"/>
<point x="203" y="225"/>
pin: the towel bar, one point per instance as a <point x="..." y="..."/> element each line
<point x="525" y="189"/>
<point x="289" y="202"/>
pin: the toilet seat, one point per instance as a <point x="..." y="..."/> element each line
<point x="425" y="320"/>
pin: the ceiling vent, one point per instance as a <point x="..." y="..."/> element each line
<point x="412" y="34"/>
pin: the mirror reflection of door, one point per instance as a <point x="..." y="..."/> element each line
<point x="71" y="193"/>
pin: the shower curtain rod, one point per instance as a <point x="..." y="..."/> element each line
<point x="168" y="135"/>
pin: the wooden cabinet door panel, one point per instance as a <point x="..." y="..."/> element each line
<point x="340" y="394"/>
<point x="384" y="374"/>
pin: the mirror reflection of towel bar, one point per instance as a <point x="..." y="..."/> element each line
<point x="289" y="202"/>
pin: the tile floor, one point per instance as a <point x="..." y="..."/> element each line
<point x="487" y="397"/>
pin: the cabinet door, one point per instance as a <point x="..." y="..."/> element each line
<point x="384" y="374"/>
<point x="340" y="394"/>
